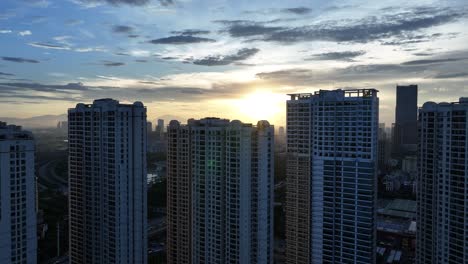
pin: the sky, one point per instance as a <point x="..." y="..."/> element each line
<point x="231" y="59"/>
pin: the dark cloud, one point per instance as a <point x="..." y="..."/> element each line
<point x="122" y="29"/>
<point x="142" y="61"/>
<point x="432" y="61"/>
<point x="6" y="74"/>
<point x="166" y="2"/>
<point x="406" y="38"/>
<point x="363" y="30"/>
<point x="219" y="60"/>
<point x="49" y="46"/>
<point x="130" y="2"/>
<point x="19" y="60"/>
<point x="246" y="28"/>
<point x="119" y="2"/>
<point x="182" y="39"/>
<point x="423" y="54"/>
<point x="43" y="88"/>
<point x="191" y="32"/>
<point x="73" y="22"/>
<point x="340" y="56"/>
<point x="112" y="63"/>
<point x="450" y="75"/>
<point x="133" y="36"/>
<point x="298" y="10"/>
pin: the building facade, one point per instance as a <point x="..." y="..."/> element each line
<point x="442" y="183"/>
<point x="107" y="183"/>
<point x="18" y="237"/>
<point x="332" y="139"/>
<point x="220" y="192"/>
<point x="405" y="136"/>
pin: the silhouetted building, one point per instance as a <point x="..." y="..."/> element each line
<point x="160" y="129"/>
<point x="331" y="176"/>
<point x="384" y="148"/>
<point x="220" y="192"/>
<point x="18" y="237"/>
<point x="107" y="183"/>
<point x="442" y="227"/>
<point x="405" y="136"/>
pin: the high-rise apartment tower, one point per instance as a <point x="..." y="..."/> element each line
<point x="18" y="237"/>
<point x="442" y="183"/>
<point x="107" y="183"/>
<point x="220" y="192"/>
<point x="331" y="176"/>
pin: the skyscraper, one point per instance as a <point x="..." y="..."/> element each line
<point x="107" y="182"/>
<point x="405" y="136"/>
<point x="220" y="192"/>
<point x="18" y="237"/>
<point x="331" y="176"/>
<point x="384" y="152"/>
<point x="160" y="129"/>
<point x="442" y="184"/>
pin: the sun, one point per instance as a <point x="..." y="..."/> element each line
<point x="260" y="105"/>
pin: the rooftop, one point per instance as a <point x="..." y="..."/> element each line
<point x="12" y="132"/>
<point x="338" y="93"/>
<point x="399" y="208"/>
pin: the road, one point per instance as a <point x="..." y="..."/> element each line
<point x="47" y="177"/>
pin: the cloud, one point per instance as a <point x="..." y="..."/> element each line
<point x="127" y="2"/>
<point x="152" y="91"/>
<point x="17" y="87"/>
<point x="38" y="3"/>
<point x="5" y="31"/>
<point x="432" y="61"/>
<point x="48" y="46"/>
<point x="122" y="29"/>
<point x="90" y="49"/>
<point x="6" y="74"/>
<point x="191" y="32"/>
<point x="19" y="60"/>
<point x="112" y="63"/>
<point x="73" y="22"/>
<point x="182" y="39"/>
<point x="339" y="56"/>
<point x="219" y="60"/>
<point x="166" y="2"/>
<point x="361" y="31"/>
<point x="450" y="75"/>
<point x="247" y="28"/>
<point x="25" y="33"/>
<point x="297" y="10"/>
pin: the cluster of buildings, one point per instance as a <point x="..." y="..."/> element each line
<point x="220" y="183"/>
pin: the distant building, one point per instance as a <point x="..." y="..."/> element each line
<point x="18" y="237"/>
<point x="107" y="183"/>
<point x="442" y="227"/>
<point x="384" y="149"/>
<point x="220" y="192"/>
<point x="405" y="136"/>
<point x="409" y="164"/>
<point x="332" y="176"/>
<point x="160" y="129"/>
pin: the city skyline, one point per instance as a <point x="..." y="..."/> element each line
<point x="192" y="59"/>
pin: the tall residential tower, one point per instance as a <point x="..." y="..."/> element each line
<point x="220" y="192"/>
<point x="405" y="133"/>
<point x="331" y="176"/>
<point x="18" y="239"/>
<point x="442" y="193"/>
<point x="107" y="183"/>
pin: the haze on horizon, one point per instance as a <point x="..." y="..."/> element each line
<point x="232" y="59"/>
